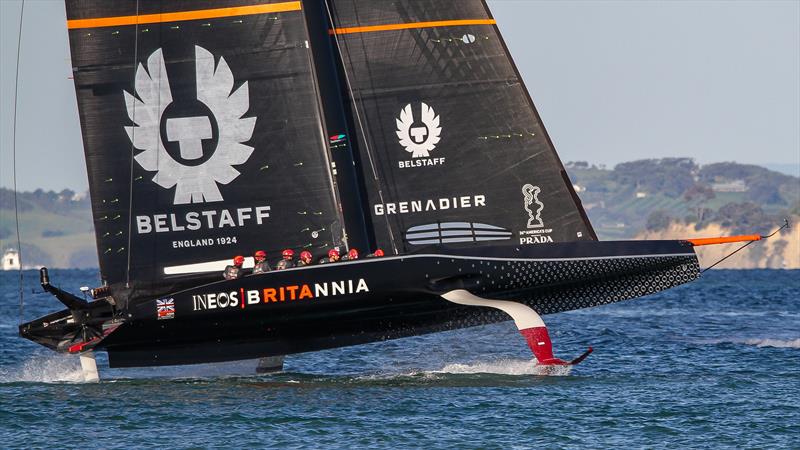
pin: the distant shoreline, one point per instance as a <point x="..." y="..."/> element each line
<point x="643" y="199"/>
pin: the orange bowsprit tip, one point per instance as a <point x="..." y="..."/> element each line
<point x="724" y="240"/>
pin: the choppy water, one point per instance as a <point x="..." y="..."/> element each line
<point x="712" y="364"/>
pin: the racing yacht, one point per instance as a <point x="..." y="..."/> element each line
<point x="216" y="128"/>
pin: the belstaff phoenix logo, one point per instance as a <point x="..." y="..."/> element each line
<point x="536" y="233"/>
<point x="531" y="194"/>
<point x="419" y="139"/>
<point x="221" y="120"/>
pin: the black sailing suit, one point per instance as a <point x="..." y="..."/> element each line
<point x="284" y="264"/>
<point x="261" y="267"/>
<point x="232" y="272"/>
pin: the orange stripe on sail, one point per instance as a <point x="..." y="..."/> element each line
<point x="184" y="15"/>
<point x="724" y="240"/>
<point x="408" y="26"/>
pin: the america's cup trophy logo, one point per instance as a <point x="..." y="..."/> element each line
<point x="419" y="140"/>
<point x="531" y="194"/>
<point x="195" y="178"/>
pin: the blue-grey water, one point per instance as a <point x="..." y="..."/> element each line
<point x="715" y="363"/>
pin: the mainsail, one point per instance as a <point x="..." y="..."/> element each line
<point x="451" y="148"/>
<point x="203" y="135"/>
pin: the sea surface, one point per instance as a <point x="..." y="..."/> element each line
<point x="712" y="364"/>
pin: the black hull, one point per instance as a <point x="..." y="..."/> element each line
<point x="378" y="299"/>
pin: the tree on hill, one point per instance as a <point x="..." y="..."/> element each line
<point x="577" y="165"/>
<point x="7" y="200"/>
<point x="745" y="217"/>
<point x="59" y="202"/>
<point x="658" y="220"/>
<point x="668" y="176"/>
<point x="700" y="192"/>
<point x="730" y="171"/>
<point x="765" y="190"/>
<point x="764" y="186"/>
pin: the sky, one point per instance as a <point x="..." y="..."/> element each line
<point x="613" y="81"/>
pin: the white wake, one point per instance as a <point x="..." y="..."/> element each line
<point x="506" y="367"/>
<point x="44" y="369"/>
<point x="766" y="342"/>
<point x="778" y="343"/>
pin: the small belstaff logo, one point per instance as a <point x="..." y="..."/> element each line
<point x="197" y="176"/>
<point x="536" y="233"/>
<point x="419" y="138"/>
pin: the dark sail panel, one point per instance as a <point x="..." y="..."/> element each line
<point x="201" y="117"/>
<point x="451" y="147"/>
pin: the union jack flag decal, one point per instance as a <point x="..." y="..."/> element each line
<point x="165" y="308"/>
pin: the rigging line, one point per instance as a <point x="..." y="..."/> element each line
<point x="726" y="257"/>
<point x="785" y="225"/>
<point x="133" y="136"/>
<point x="360" y="122"/>
<point x="14" y="167"/>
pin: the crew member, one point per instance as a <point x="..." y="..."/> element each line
<point x="333" y="256"/>
<point x="376" y="254"/>
<point x="235" y="271"/>
<point x="352" y="255"/>
<point x="261" y="262"/>
<point x="287" y="261"/>
<point x="305" y="258"/>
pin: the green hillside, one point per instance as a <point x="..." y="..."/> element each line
<point x="55" y="228"/>
<point x="648" y="194"/>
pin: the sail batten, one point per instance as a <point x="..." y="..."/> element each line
<point x="411" y="25"/>
<point x="179" y="16"/>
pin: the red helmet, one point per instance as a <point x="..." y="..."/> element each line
<point x="288" y="253"/>
<point x="305" y="255"/>
<point x="333" y="252"/>
<point x="378" y="252"/>
<point x="261" y="254"/>
<point x="238" y="260"/>
<point x="352" y="254"/>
